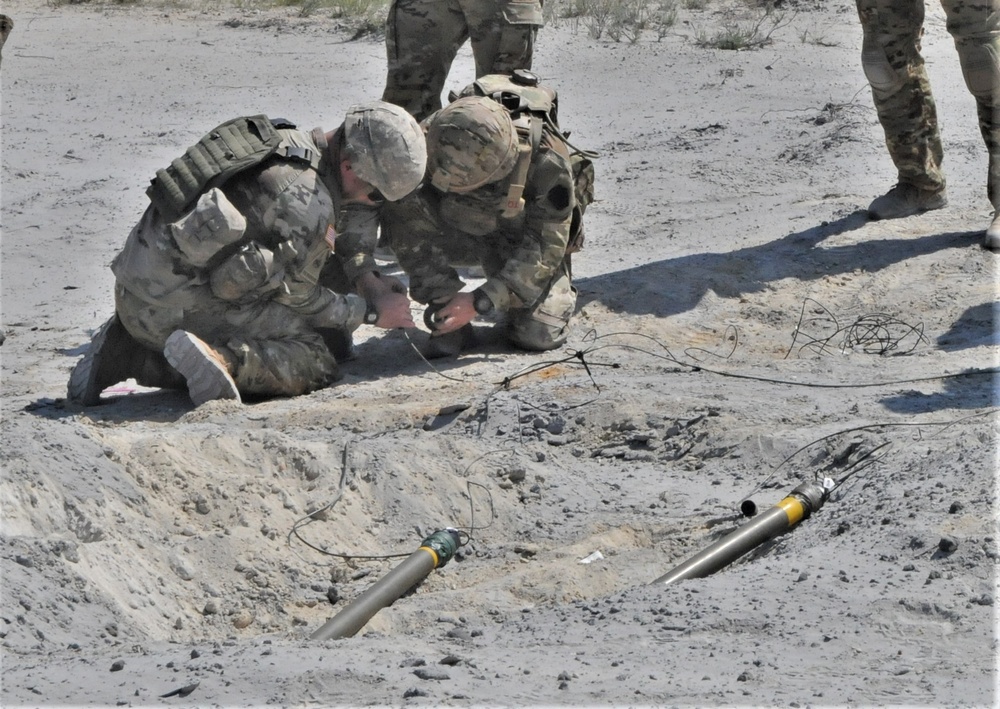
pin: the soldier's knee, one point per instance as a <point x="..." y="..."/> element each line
<point x="544" y="328"/>
<point x="981" y="68"/>
<point x="883" y="77"/>
<point x="891" y="41"/>
<point x="530" y="334"/>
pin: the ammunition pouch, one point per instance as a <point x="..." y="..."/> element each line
<point x="252" y="271"/>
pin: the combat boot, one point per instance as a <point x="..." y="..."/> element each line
<point x="993" y="232"/>
<point x="905" y="200"/>
<point x="106" y="362"/>
<point x="339" y="342"/>
<point x="450" y="344"/>
<point x="206" y="370"/>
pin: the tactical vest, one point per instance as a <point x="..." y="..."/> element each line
<point x="230" y="148"/>
<point x="533" y="107"/>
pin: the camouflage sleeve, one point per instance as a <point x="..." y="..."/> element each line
<point x="356" y="240"/>
<point x="548" y="212"/>
<point x="412" y="229"/>
<point x="300" y="219"/>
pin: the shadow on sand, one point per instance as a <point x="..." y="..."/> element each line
<point x="673" y="286"/>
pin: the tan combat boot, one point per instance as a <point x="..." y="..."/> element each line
<point x="106" y="362"/>
<point x="993" y="232"/>
<point x="205" y="369"/>
<point x="905" y="200"/>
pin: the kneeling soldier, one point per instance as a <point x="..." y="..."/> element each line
<point x="499" y="194"/>
<point x="217" y="288"/>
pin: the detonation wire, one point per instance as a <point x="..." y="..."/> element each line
<point x="867" y="427"/>
<point x="772" y="380"/>
<point x="466" y="532"/>
<point x="867" y="460"/>
<point x="873" y="327"/>
<point x="406" y="333"/>
<point x="311" y="517"/>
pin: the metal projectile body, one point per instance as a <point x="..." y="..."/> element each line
<point x="435" y="551"/>
<point x="798" y="505"/>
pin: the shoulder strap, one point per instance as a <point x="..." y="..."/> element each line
<point x="230" y="148"/>
<point x="529" y="135"/>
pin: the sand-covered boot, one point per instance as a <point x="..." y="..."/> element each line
<point x="905" y="200"/>
<point x="106" y="362"/>
<point x="206" y="370"/>
<point x="450" y="344"/>
<point x="993" y="232"/>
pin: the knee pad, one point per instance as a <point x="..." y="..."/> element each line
<point x="879" y="72"/>
<point x="981" y="68"/>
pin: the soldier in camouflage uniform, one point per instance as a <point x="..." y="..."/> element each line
<point x="225" y="299"/>
<point x="476" y="208"/>
<point x="422" y="38"/>
<point x="902" y="95"/>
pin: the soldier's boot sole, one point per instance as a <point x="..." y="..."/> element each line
<point x="105" y="363"/>
<point x="203" y="368"/>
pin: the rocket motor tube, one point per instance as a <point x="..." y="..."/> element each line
<point x="434" y="551"/>
<point x="798" y="505"/>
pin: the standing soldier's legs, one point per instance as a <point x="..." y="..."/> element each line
<point x="901" y="92"/>
<point x="975" y="27"/>
<point x="422" y="38"/>
<point x="502" y="33"/>
<point x="544" y="326"/>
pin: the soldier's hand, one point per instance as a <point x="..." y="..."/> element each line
<point x="393" y="310"/>
<point x="388" y="295"/>
<point x="456" y="313"/>
<point x="393" y="284"/>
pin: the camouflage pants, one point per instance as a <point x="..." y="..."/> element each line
<point x="429" y="251"/>
<point x="422" y="38"/>
<point x="272" y="351"/>
<point x="545" y="326"/>
<point x="901" y="90"/>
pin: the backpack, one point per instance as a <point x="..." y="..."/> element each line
<point x="533" y="107"/>
<point x="228" y="149"/>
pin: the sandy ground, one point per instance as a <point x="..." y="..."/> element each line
<point x="742" y="329"/>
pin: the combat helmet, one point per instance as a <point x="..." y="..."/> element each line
<point x="387" y="147"/>
<point x="470" y="142"/>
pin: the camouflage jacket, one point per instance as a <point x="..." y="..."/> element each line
<point x="293" y="215"/>
<point x="432" y="232"/>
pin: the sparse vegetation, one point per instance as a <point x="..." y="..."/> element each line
<point x="664" y="17"/>
<point x="363" y="17"/>
<point x="807" y="37"/>
<point x="736" y="33"/>
<point x="84" y="2"/>
<point x="626" y="19"/>
<point x="744" y="24"/>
